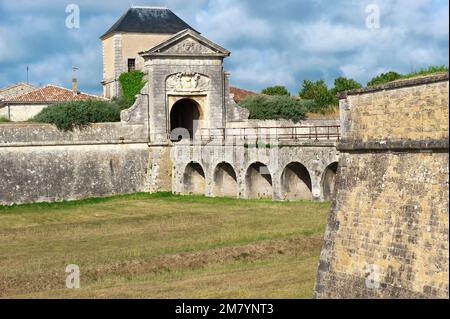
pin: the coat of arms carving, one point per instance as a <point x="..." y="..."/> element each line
<point x="187" y="82"/>
<point x="188" y="46"/>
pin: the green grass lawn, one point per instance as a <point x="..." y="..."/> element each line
<point x="162" y="246"/>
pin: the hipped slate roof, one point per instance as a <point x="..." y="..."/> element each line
<point x="52" y="94"/>
<point x="148" y="20"/>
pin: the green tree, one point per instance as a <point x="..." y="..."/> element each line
<point x="344" y="84"/>
<point x="319" y="93"/>
<point x="131" y="84"/>
<point x="384" y="78"/>
<point x="276" y="90"/>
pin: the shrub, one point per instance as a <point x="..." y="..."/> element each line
<point x="319" y="93"/>
<point x="309" y="105"/>
<point x="384" y="78"/>
<point x="276" y="90"/>
<point x="69" y="115"/>
<point x="131" y="84"/>
<point x="122" y="102"/>
<point x="263" y="107"/>
<point x="429" y="70"/>
<point x="3" y="119"/>
<point x="393" y="76"/>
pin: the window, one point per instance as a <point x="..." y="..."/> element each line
<point x="131" y="65"/>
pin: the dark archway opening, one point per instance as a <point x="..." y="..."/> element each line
<point x="183" y="117"/>
<point x="296" y="182"/>
<point x="328" y="181"/>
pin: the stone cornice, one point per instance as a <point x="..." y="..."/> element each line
<point x="439" y="77"/>
<point x="164" y="49"/>
<point x="392" y="145"/>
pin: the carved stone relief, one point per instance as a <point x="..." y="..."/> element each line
<point x="189" y="46"/>
<point x="187" y="83"/>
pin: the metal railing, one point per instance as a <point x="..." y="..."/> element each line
<point x="290" y="133"/>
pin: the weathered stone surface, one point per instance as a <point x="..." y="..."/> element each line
<point x="159" y="173"/>
<point x="388" y="231"/>
<point x="38" y="162"/>
<point x="52" y="173"/>
<point x="414" y="113"/>
<point x="421" y="80"/>
<point x="34" y="134"/>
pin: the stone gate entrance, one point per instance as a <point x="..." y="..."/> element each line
<point x="184" y="118"/>
<point x="202" y="141"/>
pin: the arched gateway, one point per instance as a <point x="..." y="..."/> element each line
<point x="186" y="82"/>
<point x="184" y="116"/>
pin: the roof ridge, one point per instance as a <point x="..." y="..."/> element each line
<point x="239" y="88"/>
<point x="41" y="89"/>
<point x="69" y="90"/>
<point x="57" y="86"/>
<point x="14" y="85"/>
<point x="148" y="7"/>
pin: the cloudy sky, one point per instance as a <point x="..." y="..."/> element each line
<point x="272" y="42"/>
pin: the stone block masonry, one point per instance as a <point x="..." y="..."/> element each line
<point x="388" y="231"/>
<point x="53" y="173"/>
<point x="40" y="163"/>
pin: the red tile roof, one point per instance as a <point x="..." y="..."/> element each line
<point x="52" y="94"/>
<point x="240" y="94"/>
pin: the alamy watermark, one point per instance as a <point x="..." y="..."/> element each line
<point x="373" y="16"/>
<point x="372" y="276"/>
<point x="73" y="18"/>
<point x="73" y="279"/>
<point x="211" y="146"/>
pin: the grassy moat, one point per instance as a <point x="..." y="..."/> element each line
<point x="162" y="246"/>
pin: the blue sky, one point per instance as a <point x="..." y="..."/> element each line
<point x="272" y="42"/>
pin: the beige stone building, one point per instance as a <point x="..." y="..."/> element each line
<point x="139" y="29"/>
<point x="15" y="90"/>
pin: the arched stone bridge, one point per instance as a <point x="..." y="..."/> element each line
<point x="294" y="168"/>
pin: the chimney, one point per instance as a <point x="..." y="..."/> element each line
<point x="74" y="86"/>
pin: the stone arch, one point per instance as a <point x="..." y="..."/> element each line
<point x="225" y="180"/>
<point x="184" y="116"/>
<point x="194" y="179"/>
<point x="258" y="181"/>
<point x="296" y="182"/>
<point x="328" y="181"/>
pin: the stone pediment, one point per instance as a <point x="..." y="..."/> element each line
<point x="187" y="43"/>
<point x="188" y="46"/>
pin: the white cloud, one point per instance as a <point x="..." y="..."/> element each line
<point x="262" y="68"/>
<point x="271" y="43"/>
<point x="227" y="21"/>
